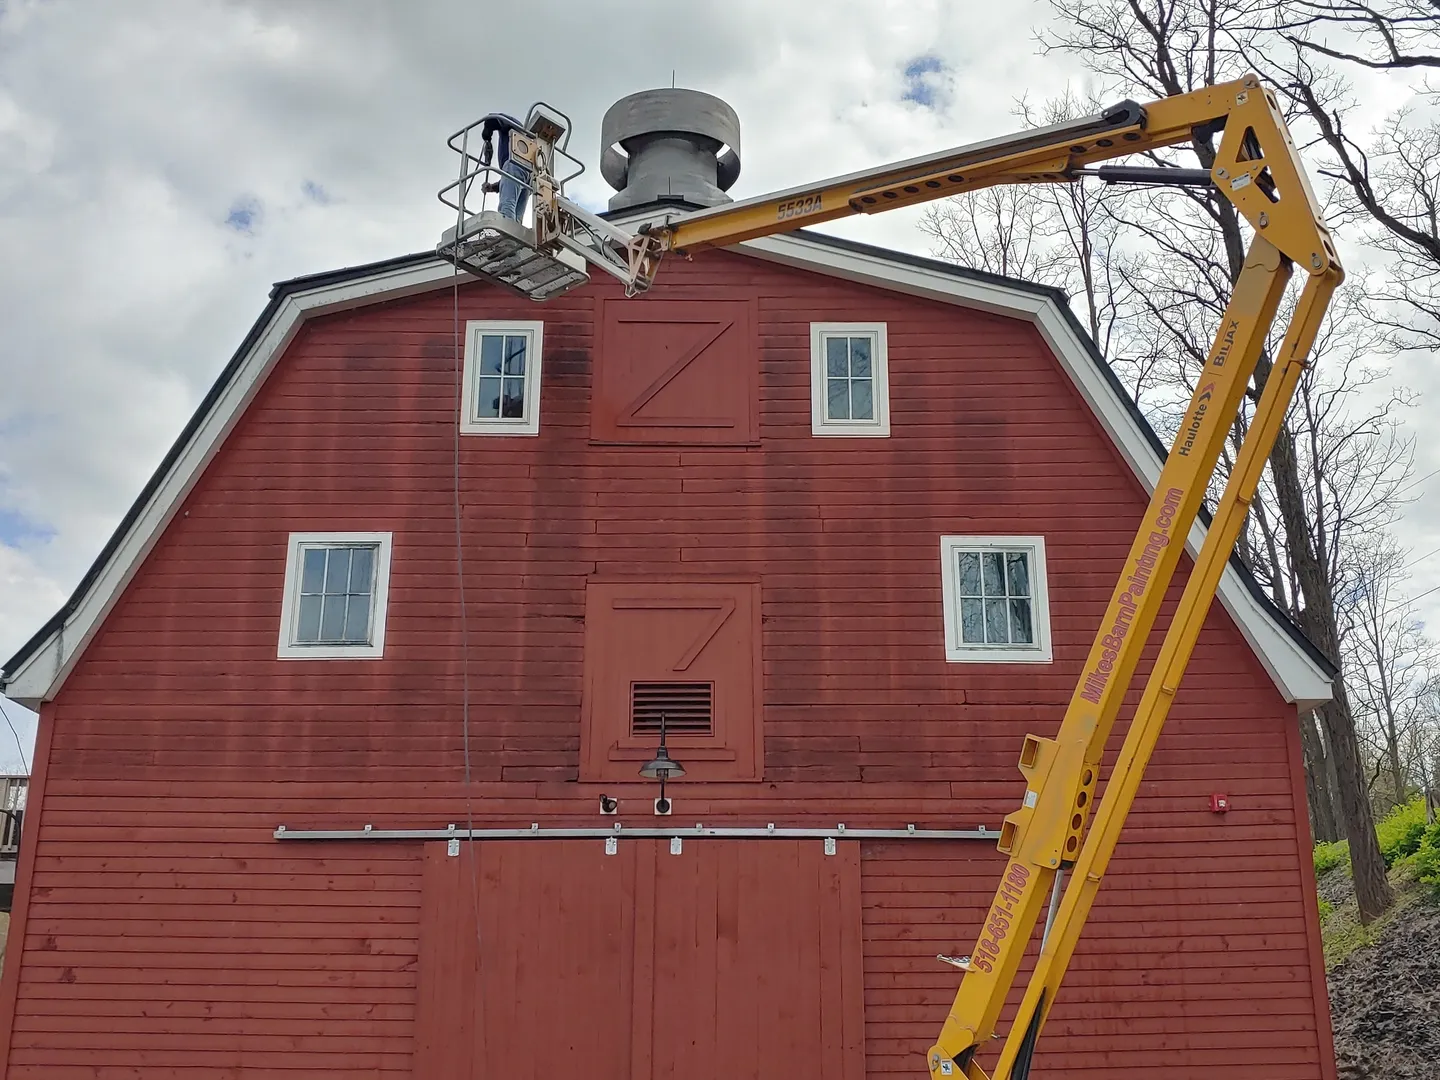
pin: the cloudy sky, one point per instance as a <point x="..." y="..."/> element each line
<point x="162" y="163"/>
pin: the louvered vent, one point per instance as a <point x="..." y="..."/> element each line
<point x="688" y="708"/>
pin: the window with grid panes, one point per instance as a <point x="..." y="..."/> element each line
<point x="996" y="607"/>
<point x="850" y="381"/>
<point x="501" y="393"/>
<point x="502" y="378"/>
<point x="335" y="595"/>
<point x="849" y="377"/>
<point x="995" y="598"/>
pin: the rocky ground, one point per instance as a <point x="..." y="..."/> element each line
<point x="1384" y="983"/>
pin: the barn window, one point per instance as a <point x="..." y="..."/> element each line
<point x="849" y="379"/>
<point x="336" y="587"/>
<point x="996" y="607"/>
<point x="502" y="378"/>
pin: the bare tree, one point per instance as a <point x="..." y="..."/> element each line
<point x="1394" y="668"/>
<point x="1349" y="456"/>
<point x="1353" y="463"/>
<point x="1391" y="35"/>
<point x="1085" y="234"/>
<point x="998" y="230"/>
<point x="1326" y="825"/>
<point x="1430" y="753"/>
<point x="1386" y="183"/>
<point x="1167" y="47"/>
<point x="1065" y="236"/>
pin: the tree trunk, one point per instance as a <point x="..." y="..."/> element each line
<point x="1332" y="785"/>
<point x="1317" y="618"/>
<point x="1397" y="771"/>
<point x="1323" y="823"/>
<point x="1372" y="888"/>
<point x="1432" y="791"/>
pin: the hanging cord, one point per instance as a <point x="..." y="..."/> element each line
<point x="459" y="360"/>
<point x="18" y="745"/>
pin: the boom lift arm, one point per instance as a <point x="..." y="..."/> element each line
<point x="1258" y="170"/>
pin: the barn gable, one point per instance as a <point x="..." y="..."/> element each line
<point x="200" y="795"/>
<point x="35" y="674"/>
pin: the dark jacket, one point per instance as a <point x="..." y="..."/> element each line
<point x="504" y="123"/>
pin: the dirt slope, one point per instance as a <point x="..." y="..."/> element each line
<point x="1385" y="985"/>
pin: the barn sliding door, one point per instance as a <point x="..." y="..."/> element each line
<point x="544" y="972"/>
<point x="732" y="958"/>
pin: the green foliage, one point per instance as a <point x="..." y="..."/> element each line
<point x="1409" y="842"/>
<point x="1427" y="857"/>
<point x="1326" y="909"/>
<point x="1399" y="832"/>
<point x="1342" y="935"/>
<point x="1329" y="856"/>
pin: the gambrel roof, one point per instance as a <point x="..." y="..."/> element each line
<point x="35" y="673"/>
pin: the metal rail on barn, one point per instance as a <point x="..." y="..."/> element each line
<point x="613" y="835"/>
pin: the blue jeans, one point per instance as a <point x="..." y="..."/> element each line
<point x="514" y="175"/>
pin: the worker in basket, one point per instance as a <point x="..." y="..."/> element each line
<point x="515" y="173"/>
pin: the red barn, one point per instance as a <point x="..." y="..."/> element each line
<point x="848" y="518"/>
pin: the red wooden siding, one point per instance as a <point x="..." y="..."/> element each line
<point x="1122" y="1002"/>
<point x="168" y="935"/>
<point x="726" y="959"/>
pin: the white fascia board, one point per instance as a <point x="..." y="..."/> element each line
<point x="1295" y="674"/>
<point x="41" y="675"/>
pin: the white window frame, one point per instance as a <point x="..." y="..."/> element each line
<point x="529" y="424"/>
<point x="959" y="651"/>
<point x="289" y="648"/>
<point x="820" y="424"/>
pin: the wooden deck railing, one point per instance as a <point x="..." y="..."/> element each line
<point x="13" y="790"/>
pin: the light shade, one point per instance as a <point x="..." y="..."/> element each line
<point x="662" y="767"/>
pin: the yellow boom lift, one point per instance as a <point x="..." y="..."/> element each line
<point x="1258" y="170"/>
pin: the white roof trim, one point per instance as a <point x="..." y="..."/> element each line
<point x="1293" y="671"/>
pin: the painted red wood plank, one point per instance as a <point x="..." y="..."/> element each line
<point x="248" y="1003"/>
<point x="447" y="964"/>
<point x="254" y="956"/>
<point x="1222" y="1009"/>
<point x="382" y="929"/>
<point x="125" y="1072"/>
<point x="282" y="1056"/>
<point x="361" y="982"/>
<point x="364" y="1034"/>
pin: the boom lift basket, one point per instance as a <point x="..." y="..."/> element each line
<point x="492" y="246"/>
<point x="554" y="252"/>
